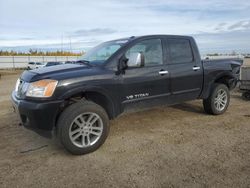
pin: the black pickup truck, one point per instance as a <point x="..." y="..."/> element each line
<point x="78" y="100"/>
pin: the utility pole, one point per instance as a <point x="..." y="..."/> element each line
<point x="70" y="46"/>
<point x="62" y="43"/>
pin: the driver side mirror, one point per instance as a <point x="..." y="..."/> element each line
<point x="135" y="60"/>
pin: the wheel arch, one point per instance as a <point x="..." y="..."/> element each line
<point x="97" y="95"/>
<point x="227" y="78"/>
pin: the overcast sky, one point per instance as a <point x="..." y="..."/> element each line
<point x="217" y="25"/>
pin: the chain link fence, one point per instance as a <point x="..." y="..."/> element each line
<point x="18" y="62"/>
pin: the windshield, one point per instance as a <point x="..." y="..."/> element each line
<point x="100" y="53"/>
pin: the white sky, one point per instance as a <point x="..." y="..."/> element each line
<point x="217" y="25"/>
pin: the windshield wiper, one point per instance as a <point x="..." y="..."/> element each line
<point x="85" y="62"/>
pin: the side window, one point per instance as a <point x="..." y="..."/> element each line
<point x="151" y="49"/>
<point x="106" y="52"/>
<point x="180" y="51"/>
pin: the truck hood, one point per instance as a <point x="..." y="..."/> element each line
<point x="59" y="72"/>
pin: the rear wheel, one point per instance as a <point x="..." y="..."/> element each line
<point x="83" y="127"/>
<point x="246" y="95"/>
<point x="218" y="101"/>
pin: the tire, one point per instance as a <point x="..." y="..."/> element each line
<point x="83" y="127"/>
<point x="215" y="104"/>
<point x="246" y="95"/>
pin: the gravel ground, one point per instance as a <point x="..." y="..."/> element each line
<point x="178" y="146"/>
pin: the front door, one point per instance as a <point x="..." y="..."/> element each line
<point x="149" y="84"/>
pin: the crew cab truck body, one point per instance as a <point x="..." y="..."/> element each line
<point x="77" y="100"/>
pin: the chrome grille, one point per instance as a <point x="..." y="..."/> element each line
<point x="21" y="88"/>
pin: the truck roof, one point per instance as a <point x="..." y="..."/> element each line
<point x="148" y="36"/>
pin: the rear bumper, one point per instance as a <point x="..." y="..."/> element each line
<point x="37" y="116"/>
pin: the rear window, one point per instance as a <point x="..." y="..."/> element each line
<point x="180" y="51"/>
<point x="31" y="63"/>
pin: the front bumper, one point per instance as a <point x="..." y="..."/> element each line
<point x="39" y="116"/>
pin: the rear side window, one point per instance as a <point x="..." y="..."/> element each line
<point x="180" y="51"/>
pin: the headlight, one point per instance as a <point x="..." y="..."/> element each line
<point x="42" y="88"/>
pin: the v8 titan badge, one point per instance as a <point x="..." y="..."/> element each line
<point x="137" y="96"/>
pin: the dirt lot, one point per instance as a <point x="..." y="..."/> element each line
<point x="177" y="146"/>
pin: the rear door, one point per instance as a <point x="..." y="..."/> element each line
<point x="185" y="70"/>
<point x="149" y="83"/>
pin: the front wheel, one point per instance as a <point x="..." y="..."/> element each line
<point x="83" y="127"/>
<point x="218" y="100"/>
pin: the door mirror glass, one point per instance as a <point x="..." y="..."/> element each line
<point x="135" y="60"/>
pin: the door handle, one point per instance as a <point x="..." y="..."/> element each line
<point x="195" y="68"/>
<point x="162" y="72"/>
